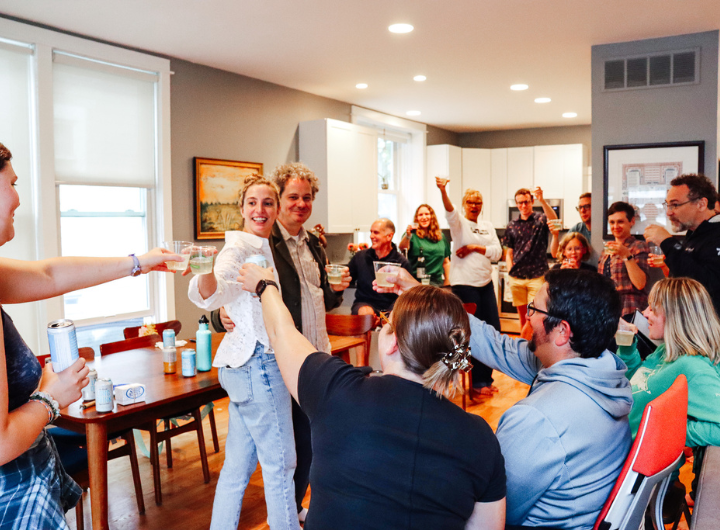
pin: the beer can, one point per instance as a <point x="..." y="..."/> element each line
<point x="63" y="344"/>
<point x="169" y="360"/>
<point x="88" y="393"/>
<point x="169" y="338"/>
<point x="260" y="261"/>
<point x="103" y="395"/>
<point x="188" y="363"/>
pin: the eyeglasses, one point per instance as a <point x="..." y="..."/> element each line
<point x="523" y="203"/>
<point x="473" y="203"/>
<point x="583" y="207"/>
<point x="531" y="310"/>
<point x="671" y="207"/>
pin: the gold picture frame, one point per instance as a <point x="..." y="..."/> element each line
<point x="217" y="184"/>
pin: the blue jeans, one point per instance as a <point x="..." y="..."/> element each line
<point x="259" y="428"/>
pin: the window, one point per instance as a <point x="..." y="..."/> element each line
<point x="389" y="157"/>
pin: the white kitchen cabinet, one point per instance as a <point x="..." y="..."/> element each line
<point x="499" y="193"/>
<point x="559" y="171"/>
<point x="344" y="158"/>
<point x="520" y="169"/>
<point x="443" y="160"/>
<point x="477" y="174"/>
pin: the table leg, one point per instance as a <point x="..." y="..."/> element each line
<point x="97" y="470"/>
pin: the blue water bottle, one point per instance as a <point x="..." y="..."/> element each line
<point x="203" y="346"/>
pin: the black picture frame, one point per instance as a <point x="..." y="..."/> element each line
<point x="640" y="174"/>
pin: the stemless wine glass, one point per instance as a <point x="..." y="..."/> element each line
<point x="180" y="248"/>
<point x="201" y="259"/>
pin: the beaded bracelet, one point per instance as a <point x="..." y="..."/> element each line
<point x="52" y="406"/>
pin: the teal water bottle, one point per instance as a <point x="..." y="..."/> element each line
<point x="203" y="346"/>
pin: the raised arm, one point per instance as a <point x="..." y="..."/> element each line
<point x="37" y="280"/>
<point x="290" y="346"/>
<point x="549" y="212"/>
<point x="442" y="186"/>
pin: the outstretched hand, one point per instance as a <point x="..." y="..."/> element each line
<point x="402" y="281"/>
<point x="155" y="260"/>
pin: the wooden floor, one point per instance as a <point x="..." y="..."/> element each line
<point x="187" y="501"/>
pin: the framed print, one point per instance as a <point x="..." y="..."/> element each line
<point x="217" y="184"/>
<point x="640" y="174"/>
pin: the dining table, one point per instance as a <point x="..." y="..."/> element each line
<point x="165" y="395"/>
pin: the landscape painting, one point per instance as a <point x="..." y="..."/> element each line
<point x="217" y="183"/>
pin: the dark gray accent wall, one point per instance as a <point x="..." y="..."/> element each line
<point x="573" y="134"/>
<point x="218" y="114"/>
<point x="437" y="136"/>
<point x="663" y="114"/>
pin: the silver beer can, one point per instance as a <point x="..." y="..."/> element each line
<point x="88" y="393"/>
<point x="104" y="395"/>
<point x="260" y="261"/>
<point x="189" y="368"/>
<point x="63" y="344"/>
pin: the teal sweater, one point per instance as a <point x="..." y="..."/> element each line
<point x="652" y="377"/>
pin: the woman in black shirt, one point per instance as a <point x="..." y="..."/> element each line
<point x="391" y="451"/>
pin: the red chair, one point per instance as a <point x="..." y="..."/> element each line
<point x="655" y="454"/>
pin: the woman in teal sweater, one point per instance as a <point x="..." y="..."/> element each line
<point x="681" y="313"/>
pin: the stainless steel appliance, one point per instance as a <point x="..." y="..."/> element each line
<point x="505" y="307"/>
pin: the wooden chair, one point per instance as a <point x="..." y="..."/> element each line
<point x="171" y="428"/>
<point x="470" y="308"/>
<point x="86" y="353"/>
<point x="352" y="326"/>
<point x="175" y="325"/>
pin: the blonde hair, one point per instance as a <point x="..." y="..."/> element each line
<point x="255" y="180"/>
<point x="433" y="334"/>
<point x="692" y="326"/>
<point x="469" y="193"/>
<point x="565" y="241"/>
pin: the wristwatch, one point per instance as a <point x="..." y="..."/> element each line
<point x="630" y="257"/>
<point x="262" y="285"/>
<point x="136" y="269"/>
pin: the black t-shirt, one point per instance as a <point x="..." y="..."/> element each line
<point x="390" y="454"/>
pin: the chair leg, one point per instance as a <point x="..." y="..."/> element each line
<point x="130" y="440"/>
<point x="464" y="396"/>
<point x="80" y="515"/>
<point x="155" y="462"/>
<point x="168" y="446"/>
<point x="213" y="429"/>
<point x="201" y="444"/>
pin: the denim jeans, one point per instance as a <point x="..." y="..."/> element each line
<point x="259" y="428"/>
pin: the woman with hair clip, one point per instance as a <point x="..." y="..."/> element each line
<point x="681" y="313"/>
<point x="476" y="246"/>
<point x="390" y="451"/>
<point x="424" y="238"/>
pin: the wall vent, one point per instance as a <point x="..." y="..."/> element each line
<point x="653" y="70"/>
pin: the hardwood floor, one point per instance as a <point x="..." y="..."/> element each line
<point x="187" y="500"/>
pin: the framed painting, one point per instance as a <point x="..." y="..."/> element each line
<point x="217" y="184"/>
<point x="640" y="174"/>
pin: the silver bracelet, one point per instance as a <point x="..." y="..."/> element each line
<point x="52" y="406"/>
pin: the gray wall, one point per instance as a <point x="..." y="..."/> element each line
<point x="573" y="134"/>
<point x="665" y="114"/>
<point x="217" y="114"/>
<point x="436" y="136"/>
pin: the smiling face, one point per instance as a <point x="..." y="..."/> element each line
<point x="656" y="320"/>
<point x="620" y="226"/>
<point x="296" y="204"/>
<point x="574" y="250"/>
<point x="259" y="210"/>
<point x="524" y="204"/>
<point x="423" y="217"/>
<point x="380" y="236"/>
<point x="9" y="202"/>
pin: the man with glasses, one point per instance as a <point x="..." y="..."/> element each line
<point x="690" y="204"/>
<point x="526" y="239"/>
<point x="564" y="444"/>
<point x="584" y="208"/>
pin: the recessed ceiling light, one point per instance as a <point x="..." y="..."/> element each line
<point x="401" y="28"/>
<point x="519" y="87"/>
<point x="569" y="114"/>
<point x="361" y="85"/>
<point x="419" y="78"/>
<point x="413" y="113"/>
<point x="542" y="100"/>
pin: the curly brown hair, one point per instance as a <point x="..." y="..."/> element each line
<point x="297" y="170"/>
<point x="433" y="232"/>
<point x="5" y="156"/>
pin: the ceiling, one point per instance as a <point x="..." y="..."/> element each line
<point x="470" y="50"/>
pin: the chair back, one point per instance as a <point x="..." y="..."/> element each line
<point x="348" y="325"/>
<point x="147" y="341"/>
<point x="470" y="308"/>
<point x="134" y="331"/>
<point x="654" y="455"/>
<point x="86" y="353"/>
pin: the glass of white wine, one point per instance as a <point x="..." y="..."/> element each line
<point x="201" y="259"/>
<point x="383" y="269"/>
<point x="182" y="249"/>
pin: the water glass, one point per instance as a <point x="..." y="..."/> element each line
<point x="182" y="248"/>
<point x="383" y="269"/>
<point x="334" y="272"/>
<point x="201" y="259"/>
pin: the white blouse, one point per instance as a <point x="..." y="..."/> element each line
<point x="474" y="269"/>
<point x="242" y="307"/>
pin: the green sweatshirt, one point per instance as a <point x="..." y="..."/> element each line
<point x="652" y="377"/>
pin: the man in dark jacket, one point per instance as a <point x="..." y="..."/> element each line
<point x="300" y="262"/>
<point x="690" y="206"/>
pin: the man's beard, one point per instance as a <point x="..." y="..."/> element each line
<point x="680" y="227"/>
<point x="532" y="345"/>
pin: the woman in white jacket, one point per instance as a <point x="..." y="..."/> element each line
<point x="476" y="244"/>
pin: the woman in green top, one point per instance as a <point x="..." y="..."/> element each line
<point x="680" y="313"/>
<point x="425" y="237"/>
